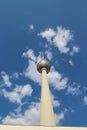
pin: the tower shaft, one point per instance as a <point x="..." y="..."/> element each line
<point x="46" y="111"/>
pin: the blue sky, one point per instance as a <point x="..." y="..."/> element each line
<point x="57" y="28"/>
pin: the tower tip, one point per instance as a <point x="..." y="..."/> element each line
<point x="42" y="55"/>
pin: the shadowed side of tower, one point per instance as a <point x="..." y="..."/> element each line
<point x="46" y="109"/>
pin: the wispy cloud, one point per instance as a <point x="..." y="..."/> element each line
<point x="49" y="55"/>
<point x="59" y="117"/>
<point x="16" y="75"/>
<point x="18" y="93"/>
<point x="55" y="102"/>
<point x="55" y="79"/>
<point x="71" y="63"/>
<point x="60" y="38"/>
<point x="29" y="54"/>
<point x="31" y="27"/>
<point x="85" y="100"/>
<point x="48" y="34"/>
<point x="6" y="79"/>
<point x="31" y="72"/>
<point x="73" y="90"/>
<point x="30" y="116"/>
<point x="75" y="49"/>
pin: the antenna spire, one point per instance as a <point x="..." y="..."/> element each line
<point x="42" y="55"/>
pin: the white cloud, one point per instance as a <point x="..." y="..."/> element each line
<point x="14" y="120"/>
<point x="75" y="49"/>
<point x="85" y="100"/>
<point x="18" y="93"/>
<point x="55" y="102"/>
<point x="31" y="27"/>
<point x="32" y="73"/>
<point x="75" y="90"/>
<point x="29" y="54"/>
<point x="71" y="62"/>
<point x="56" y="79"/>
<point x="15" y="75"/>
<point x="6" y="79"/>
<point x="49" y="55"/>
<point x="19" y="108"/>
<point x="59" y="117"/>
<point x="62" y="38"/>
<point x="29" y="117"/>
<point x="12" y="96"/>
<point x="48" y="34"/>
<point x="59" y="38"/>
<point x="72" y="110"/>
<point x="24" y="90"/>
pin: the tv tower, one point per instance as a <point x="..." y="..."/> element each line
<point x="46" y="109"/>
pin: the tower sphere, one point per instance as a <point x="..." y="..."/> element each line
<point x="43" y="64"/>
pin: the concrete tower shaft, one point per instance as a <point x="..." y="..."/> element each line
<point x="46" y="108"/>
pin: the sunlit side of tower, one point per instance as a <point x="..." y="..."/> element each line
<point x="46" y="109"/>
